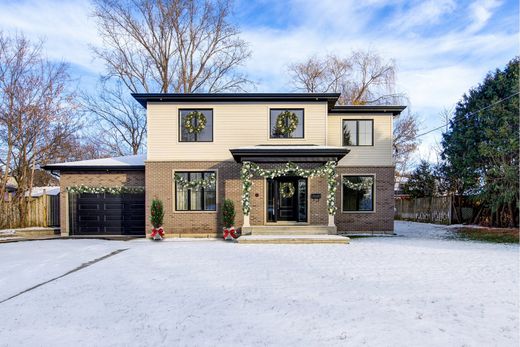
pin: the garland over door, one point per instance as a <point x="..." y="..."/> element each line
<point x="107" y="214"/>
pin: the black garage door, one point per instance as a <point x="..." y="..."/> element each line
<point x="107" y="214"/>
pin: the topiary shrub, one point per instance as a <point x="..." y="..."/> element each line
<point x="228" y="213"/>
<point x="157" y="213"/>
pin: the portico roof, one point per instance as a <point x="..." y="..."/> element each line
<point x="288" y="153"/>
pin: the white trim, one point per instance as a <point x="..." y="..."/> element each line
<point x="374" y="197"/>
<point x="174" y="191"/>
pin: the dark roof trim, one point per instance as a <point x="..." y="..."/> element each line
<point x="330" y="98"/>
<point x="63" y="168"/>
<point x="277" y="155"/>
<point x="390" y="109"/>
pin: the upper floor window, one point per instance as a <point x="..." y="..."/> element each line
<point x="358" y="132"/>
<point x="286" y="123"/>
<point x="196" y="125"/>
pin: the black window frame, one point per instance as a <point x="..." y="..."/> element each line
<point x="357" y="132"/>
<point x="373" y="195"/>
<point x="286" y="137"/>
<point x="189" y="209"/>
<point x="179" y="120"/>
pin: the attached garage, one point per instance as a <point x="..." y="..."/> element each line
<point x="107" y="214"/>
<point x="102" y="197"/>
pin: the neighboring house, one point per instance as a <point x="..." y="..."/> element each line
<point x="203" y="148"/>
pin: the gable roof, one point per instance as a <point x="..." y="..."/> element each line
<point x="129" y="162"/>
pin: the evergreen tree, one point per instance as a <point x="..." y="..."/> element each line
<point x="481" y="148"/>
<point x="421" y="182"/>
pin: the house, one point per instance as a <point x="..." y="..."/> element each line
<point x="288" y="161"/>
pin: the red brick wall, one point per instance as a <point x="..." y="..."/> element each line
<point x="94" y="179"/>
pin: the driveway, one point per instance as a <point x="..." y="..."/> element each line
<point x="410" y="290"/>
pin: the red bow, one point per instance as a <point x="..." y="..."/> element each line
<point x="230" y="232"/>
<point x="158" y="231"/>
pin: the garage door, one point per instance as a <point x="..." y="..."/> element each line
<point x="107" y="214"/>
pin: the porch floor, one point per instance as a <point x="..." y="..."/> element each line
<point x="293" y="239"/>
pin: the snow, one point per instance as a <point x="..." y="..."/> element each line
<point x="412" y="290"/>
<point x="129" y="160"/>
<point x="39" y="191"/>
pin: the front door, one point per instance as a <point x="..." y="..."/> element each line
<point x="287" y="199"/>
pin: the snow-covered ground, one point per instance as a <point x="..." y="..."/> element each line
<point x="413" y="290"/>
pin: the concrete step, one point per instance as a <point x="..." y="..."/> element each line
<point x="289" y="230"/>
<point x="296" y="239"/>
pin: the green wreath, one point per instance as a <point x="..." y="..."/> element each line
<point x="286" y="123"/>
<point x="188" y="122"/>
<point x="286" y="190"/>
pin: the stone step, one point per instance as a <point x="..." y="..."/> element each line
<point x="296" y="239"/>
<point x="289" y="230"/>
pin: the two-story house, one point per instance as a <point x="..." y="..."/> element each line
<point x="288" y="161"/>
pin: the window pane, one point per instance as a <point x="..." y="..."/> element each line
<point x="206" y="135"/>
<point x="365" y="132"/>
<point x="182" y="195"/>
<point x="349" y="133"/>
<point x="355" y="199"/>
<point x="297" y="133"/>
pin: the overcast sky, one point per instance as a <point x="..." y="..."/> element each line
<point x="441" y="47"/>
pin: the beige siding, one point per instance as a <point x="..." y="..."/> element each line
<point x="378" y="155"/>
<point x="235" y="125"/>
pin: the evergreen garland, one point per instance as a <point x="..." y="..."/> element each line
<point x="250" y="169"/>
<point x="196" y="184"/>
<point x="82" y="189"/>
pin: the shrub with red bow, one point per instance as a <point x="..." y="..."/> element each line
<point x="228" y="217"/>
<point x="156" y="218"/>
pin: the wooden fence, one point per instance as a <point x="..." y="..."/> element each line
<point x="42" y="211"/>
<point x="430" y="210"/>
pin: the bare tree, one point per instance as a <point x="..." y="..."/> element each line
<point x="36" y="113"/>
<point x="169" y="46"/>
<point x="362" y="78"/>
<point x="120" y="123"/>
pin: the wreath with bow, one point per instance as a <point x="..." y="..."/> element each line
<point x="286" y="190"/>
<point x="286" y="123"/>
<point x="190" y="127"/>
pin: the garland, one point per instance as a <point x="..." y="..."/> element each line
<point x="249" y="169"/>
<point x="365" y="184"/>
<point x="201" y="122"/>
<point x="287" y="190"/>
<point x="82" y="189"/>
<point x="286" y="123"/>
<point x="197" y="184"/>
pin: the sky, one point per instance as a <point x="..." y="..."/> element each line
<point x="441" y="48"/>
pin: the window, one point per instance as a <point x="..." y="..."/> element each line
<point x="275" y="131"/>
<point x="358" y="132"/>
<point x="358" y="193"/>
<point x="191" y="199"/>
<point x="205" y="135"/>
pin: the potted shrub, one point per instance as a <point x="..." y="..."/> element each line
<point x="156" y="218"/>
<point x="228" y="217"/>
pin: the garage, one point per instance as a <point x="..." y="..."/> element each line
<point x="102" y="197"/>
<point x="107" y="214"/>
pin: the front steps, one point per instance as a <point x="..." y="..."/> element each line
<point x="293" y="239"/>
<point x="289" y="229"/>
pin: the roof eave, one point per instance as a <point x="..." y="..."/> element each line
<point x="63" y="168"/>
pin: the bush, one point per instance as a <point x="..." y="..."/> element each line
<point x="157" y="213"/>
<point x="228" y="213"/>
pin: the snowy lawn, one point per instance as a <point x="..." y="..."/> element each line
<point x="410" y="290"/>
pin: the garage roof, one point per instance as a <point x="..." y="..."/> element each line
<point x="129" y="162"/>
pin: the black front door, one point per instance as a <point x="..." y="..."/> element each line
<point x="287" y="199"/>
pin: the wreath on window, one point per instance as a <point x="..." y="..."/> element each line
<point x="190" y="126"/>
<point x="286" y="123"/>
<point x="286" y="190"/>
